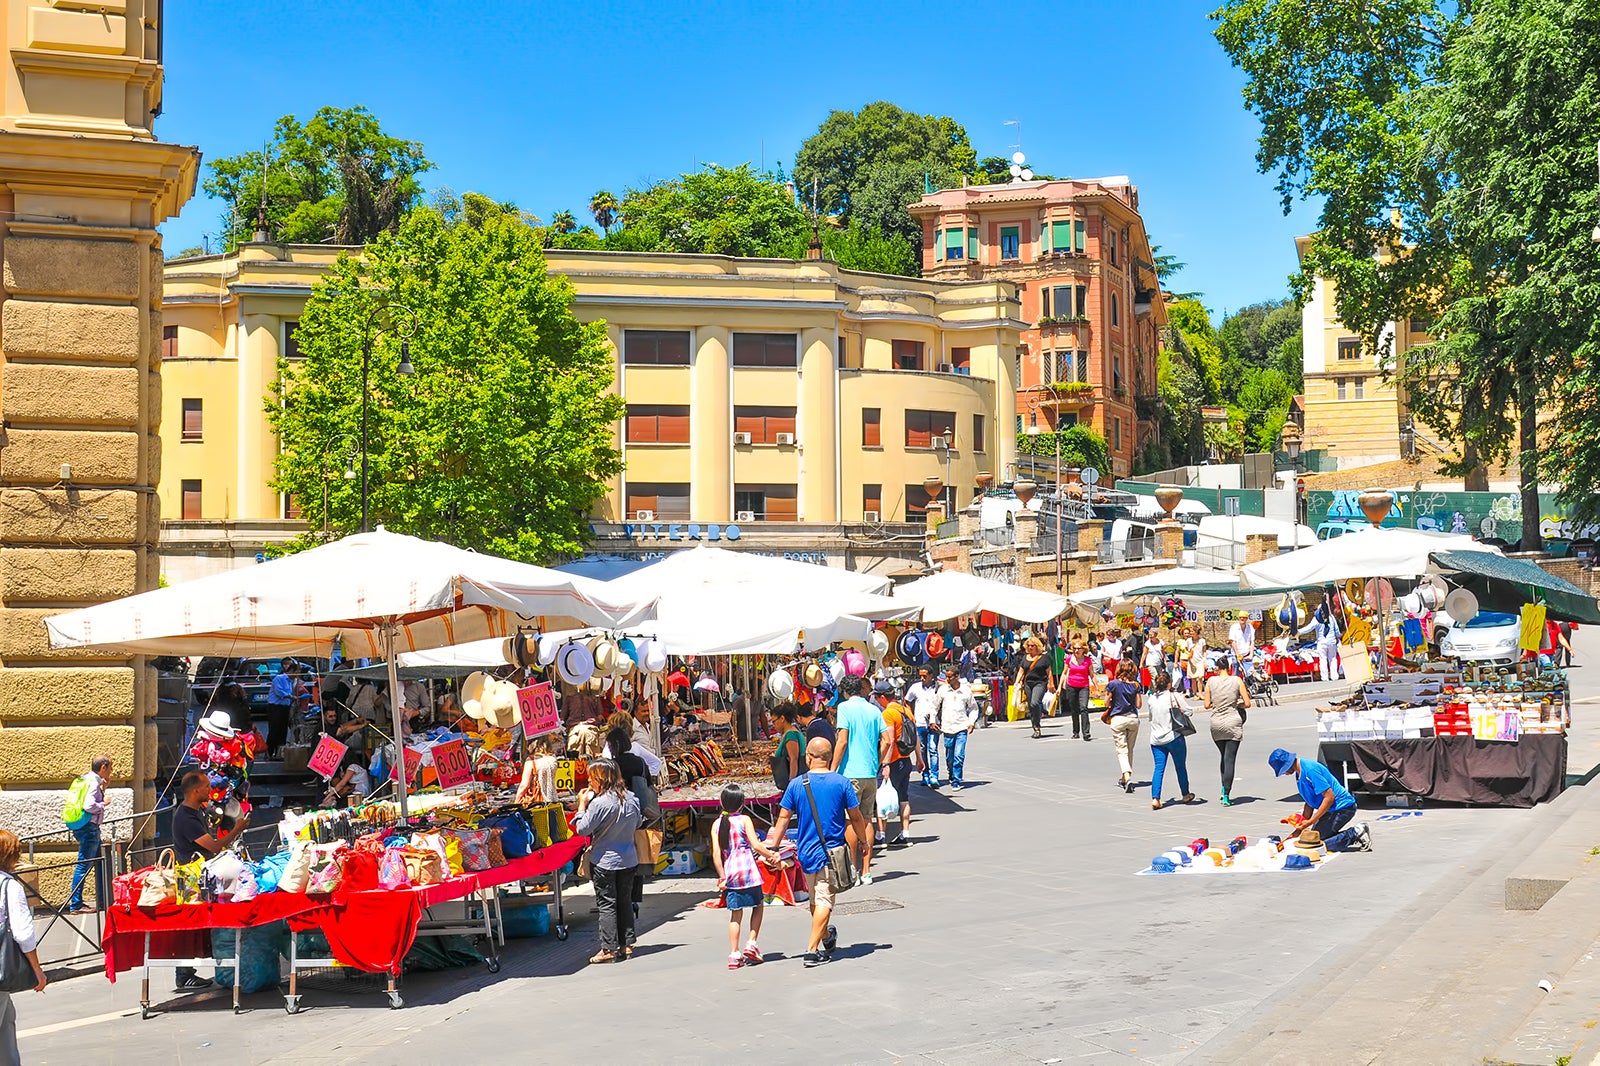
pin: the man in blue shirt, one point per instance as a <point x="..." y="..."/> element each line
<point x="861" y="753"/>
<point x="1329" y="807"/>
<point x="280" y="701"/>
<point x="837" y="811"/>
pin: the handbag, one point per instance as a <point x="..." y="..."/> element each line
<point x="189" y="882"/>
<point x="841" y="860"/>
<point x="297" y="872"/>
<point x="125" y="888"/>
<point x="649" y="802"/>
<point x="16" y="969"/>
<point x="160" y="881"/>
<point x="423" y="865"/>
<point x="1182" y="724"/>
<point x="647" y="842"/>
<point x="222" y="874"/>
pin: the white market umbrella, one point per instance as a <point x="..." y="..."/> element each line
<point x="371" y="594"/>
<point x="1198" y="588"/>
<point x="1368" y="553"/>
<point x="950" y="594"/>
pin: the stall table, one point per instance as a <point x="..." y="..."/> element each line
<point x="1489" y="773"/>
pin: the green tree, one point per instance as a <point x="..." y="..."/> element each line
<point x="1080" y="446"/>
<point x="338" y="178"/>
<point x="1182" y="390"/>
<point x="1262" y="406"/>
<point x="473" y="209"/>
<point x="1167" y="267"/>
<point x="856" y="247"/>
<point x="850" y="145"/>
<point x="501" y="441"/>
<point x="1195" y="337"/>
<point x="719" y="210"/>
<point x="563" y="222"/>
<point x="604" y="207"/>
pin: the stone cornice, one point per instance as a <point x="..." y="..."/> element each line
<point x="165" y="174"/>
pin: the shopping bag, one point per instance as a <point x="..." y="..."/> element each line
<point x="297" y="872"/>
<point x="647" y="842"/>
<point x="1016" y="705"/>
<point x="160" y="881"/>
<point x="1050" y="703"/>
<point x="326" y="868"/>
<point x="888" y="802"/>
<point x="189" y="879"/>
<point x="423" y="865"/>
<point x="244" y="888"/>
<point x="392" y="869"/>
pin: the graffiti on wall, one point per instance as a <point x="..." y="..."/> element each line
<point x="1485" y="515"/>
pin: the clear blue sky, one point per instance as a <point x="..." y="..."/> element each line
<point x="557" y="99"/>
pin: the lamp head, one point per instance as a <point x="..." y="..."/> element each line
<point x="405" y="368"/>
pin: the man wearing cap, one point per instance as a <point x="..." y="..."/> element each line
<point x="923" y="696"/>
<point x="1329" y="807"/>
<point x="899" y="768"/>
<point x="958" y="717"/>
<point x="861" y="753"/>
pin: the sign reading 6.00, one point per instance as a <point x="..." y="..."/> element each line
<point x="452" y="764"/>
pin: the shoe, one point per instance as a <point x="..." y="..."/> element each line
<point x="189" y="984"/>
<point x="735" y="961"/>
<point x="81" y="908"/>
<point x="816" y="958"/>
<point x="1086" y="736"/>
<point x="877" y="838"/>
<point x="1037" y="734"/>
<point x="1364" y="836"/>
<point x="752" y="955"/>
<point x="1226" y="802"/>
<point x="830" y="941"/>
<point x="956" y="786"/>
<point x="1075" y="736"/>
<point x="866" y="879"/>
<point x="1155" y="805"/>
<point x="1127" y="786"/>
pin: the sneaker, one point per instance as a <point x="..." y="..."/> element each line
<point x="752" y="955"/>
<point x="955" y="786"/>
<point x="830" y="941"/>
<point x="1364" y="836"/>
<point x="189" y="984"/>
<point x="815" y="958"/>
<point x="866" y="879"/>
<point x="878" y="838"/>
<point x="1226" y="802"/>
<point x="735" y="961"/>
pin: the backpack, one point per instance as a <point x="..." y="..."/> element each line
<point x="72" y="812"/>
<point x="906" y="740"/>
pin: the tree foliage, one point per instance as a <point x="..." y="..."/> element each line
<point x="850" y="146"/>
<point x="718" y="210"/>
<point x="501" y="441"/>
<point x="1080" y="446"/>
<point x="338" y="178"/>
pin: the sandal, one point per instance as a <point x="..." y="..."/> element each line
<point x="603" y="956"/>
<point x="1189" y="798"/>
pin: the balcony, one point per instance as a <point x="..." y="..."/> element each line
<point x="1052" y="321"/>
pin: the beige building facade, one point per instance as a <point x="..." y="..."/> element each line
<point x="84" y="185"/>
<point x="769" y="395"/>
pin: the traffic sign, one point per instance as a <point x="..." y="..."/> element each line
<point x="1089" y="475"/>
<point x="1230" y="507"/>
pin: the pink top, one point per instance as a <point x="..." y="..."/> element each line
<point x="1077" y="671"/>
<point x="739" y="867"/>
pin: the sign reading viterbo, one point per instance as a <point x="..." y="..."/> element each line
<point x="681" y="531"/>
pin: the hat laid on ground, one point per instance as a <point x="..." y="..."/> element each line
<point x="1281" y="761"/>
<point x="218" y="724"/>
<point x="910" y="649"/>
<point x="574" y="664"/>
<point x="1309" y="838"/>
<point x="1297" y="862"/>
<point x="881" y="687"/>
<point x="1162" y="865"/>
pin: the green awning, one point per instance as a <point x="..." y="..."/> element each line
<point x="1564" y="601"/>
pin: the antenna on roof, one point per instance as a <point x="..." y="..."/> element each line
<point x="261" y="208"/>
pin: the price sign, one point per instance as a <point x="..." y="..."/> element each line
<point x="452" y="764"/>
<point x="1532" y="632"/>
<point x="566" y="776"/>
<point x="537" y="704"/>
<point x="413" y="764"/>
<point x="325" y="760"/>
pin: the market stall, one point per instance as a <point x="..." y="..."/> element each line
<point x="951" y="594"/>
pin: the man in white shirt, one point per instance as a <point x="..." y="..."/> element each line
<point x="923" y="698"/>
<point x="1242" y="642"/>
<point x="958" y="717"/>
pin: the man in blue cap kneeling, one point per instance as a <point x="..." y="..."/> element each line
<point x="1329" y="807"/>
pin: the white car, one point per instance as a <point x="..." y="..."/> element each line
<point x="1490" y="636"/>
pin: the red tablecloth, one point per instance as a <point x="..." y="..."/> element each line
<point x="368" y="930"/>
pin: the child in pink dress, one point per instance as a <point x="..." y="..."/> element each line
<point x="734" y="847"/>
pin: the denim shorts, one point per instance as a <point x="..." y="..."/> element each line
<point x="743" y="899"/>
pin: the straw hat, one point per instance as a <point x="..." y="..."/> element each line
<point x="813" y="675"/>
<point x="473" y="689"/>
<point x="499" y="704"/>
<point x="219" y="725"/>
<point x="574" y="664"/>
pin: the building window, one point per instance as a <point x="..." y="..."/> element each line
<point x="1349" y="347"/>
<point x="1017" y="368"/>
<point x="923" y="426"/>
<point x="908" y="355"/>
<point x="169" y="341"/>
<point x="763" y="423"/>
<point x="766" y="349"/>
<point x="191" y="501"/>
<point x="1421" y="325"/>
<point x="872" y="500"/>
<point x="291" y="507"/>
<point x="659" y="423"/>
<point x="1361" y="384"/>
<point x="1083" y="367"/>
<point x="1338" y="384"/>
<point x="1065" y="419"/>
<point x="961" y="360"/>
<point x="917" y="501"/>
<point x="768" y="503"/>
<point x="871" y="427"/>
<point x="841" y="346"/>
<point x="1114" y="320"/>
<point x="1079" y="230"/>
<point x="1111" y="246"/>
<point x="655" y="347"/>
<point x="1010" y="242"/>
<point x="1116" y="434"/>
<point x="191" y="420"/>
<point x="977" y="433"/>
<point x="667" y="502"/>
<point x="291" y="341"/>
<point x="972" y="244"/>
<point x="953" y="243"/>
<point x="1061" y="236"/>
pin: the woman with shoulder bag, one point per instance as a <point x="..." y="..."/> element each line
<point x="1228" y="701"/>
<point x="608" y="814"/>
<point x="1169" y="725"/>
<point x="19" y="955"/>
<point x="1036" y="676"/>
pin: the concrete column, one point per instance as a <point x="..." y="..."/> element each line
<point x="819" y="427"/>
<point x="711" y="428"/>
<point x="258" y="446"/>
<point x="1026" y="524"/>
<point x="1169" y="541"/>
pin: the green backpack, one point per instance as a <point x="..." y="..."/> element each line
<point x="72" y="813"/>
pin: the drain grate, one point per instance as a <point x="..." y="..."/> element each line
<point x="867" y="906"/>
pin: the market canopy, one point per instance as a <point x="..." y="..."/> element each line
<point x="1196" y="587"/>
<point x="358" y="593"/>
<point x="1367" y="553"/>
<point x="1563" y="600"/>
<point x="950" y="594"/>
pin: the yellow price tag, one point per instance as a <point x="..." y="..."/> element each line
<point x="1532" y="627"/>
<point x="566" y="775"/>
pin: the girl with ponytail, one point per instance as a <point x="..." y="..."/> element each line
<point x="734" y="847"/>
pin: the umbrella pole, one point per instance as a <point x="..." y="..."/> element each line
<point x="394" y="717"/>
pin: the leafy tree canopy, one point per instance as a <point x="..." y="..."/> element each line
<point x="1080" y="446"/>
<point x="338" y="178"/>
<point x="717" y="210"/>
<point x="839" y="159"/>
<point x="503" y="438"/>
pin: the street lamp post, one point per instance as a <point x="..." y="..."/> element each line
<point x="1033" y="422"/>
<point x="405" y="369"/>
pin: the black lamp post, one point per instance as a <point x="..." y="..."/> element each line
<point x="405" y="369"/>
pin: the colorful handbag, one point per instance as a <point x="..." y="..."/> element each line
<point x="473" y="845"/>
<point x="188" y="881"/>
<point x="327" y="868"/>
<point x="244" y="887"/>
<point x="160" y="881"/>
<point x="297" y="872"/>
<point x="392" y="869"/>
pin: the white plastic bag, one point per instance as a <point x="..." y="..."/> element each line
<point x="1049" y="703"/>
<point x="888" y="801"/>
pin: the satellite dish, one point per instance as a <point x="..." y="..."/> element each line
<point x="1089" y="475"/>
<point x="1027" y="175"/>
<point x="1018" y="158"/>
<point x="1016" y="171"/>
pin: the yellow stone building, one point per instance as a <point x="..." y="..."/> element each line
<point x="83" y="186"/>
<point x="763" y="393"/>
<point x="1354" y="409"/>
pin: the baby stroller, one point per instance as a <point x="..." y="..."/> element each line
<point x="1261" y="685"/>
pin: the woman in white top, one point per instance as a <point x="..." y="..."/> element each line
<point x="19" y="924"/>
<point x="1197" y="661"/>
<point x="1155" y="657"/>
<point x="1165" y="741"/>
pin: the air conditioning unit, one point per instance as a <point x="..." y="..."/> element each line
<point x="744" y="516"/>
<point x="871" y="516"/>
<point x="644" y="516"/>
<point x="947" y="368"/>
<point x="785" y="438"/>
<point x="741" y="438"/>
<point x="939" y="442"/>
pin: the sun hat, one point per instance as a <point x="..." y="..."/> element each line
<point x="499" y="704"/>
<point x="813" y="675"/>
<point x="780" y="684"/>
<point x="707" y="683"/>
<point x="1309" y="838"/>
<point x="473" y="691"/>
<point x="219" y="725"/>
<point x="878" y="644"/>
<point x="1297" y="862"/>
<point x="1218" y="856"/>
<point x="855" y="663"/>
<point x="1281" y="761"/>
<point x="549" y="645"/>
<point x="1162" y="865"/>
<point x="655" y="657"/>
<point x="605" y="656"/>
<point x="574" y="663"/>
<point x="933" y="645"/>
<point x="627" y="647"/>
<point x="1179" y="857"/>
<point x="910" y="648"/>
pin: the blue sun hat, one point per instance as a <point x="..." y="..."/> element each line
<point x="1295" y="861"/>
<point x="1281" y="761"/>
<point x="1162" y="865"/>
<point x="910" y="648"/>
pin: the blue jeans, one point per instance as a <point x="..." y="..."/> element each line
<point x="955" y="753"/>
<point x="929" y="739"/>
<point x="88" y="858"/>
<point x="1178" y="751"/>
<point x="1332" y="828"/>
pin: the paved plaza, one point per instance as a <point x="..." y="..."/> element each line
<point x="1016" y="930"/>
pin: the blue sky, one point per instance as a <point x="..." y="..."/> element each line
<point x="555" y="100"/>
